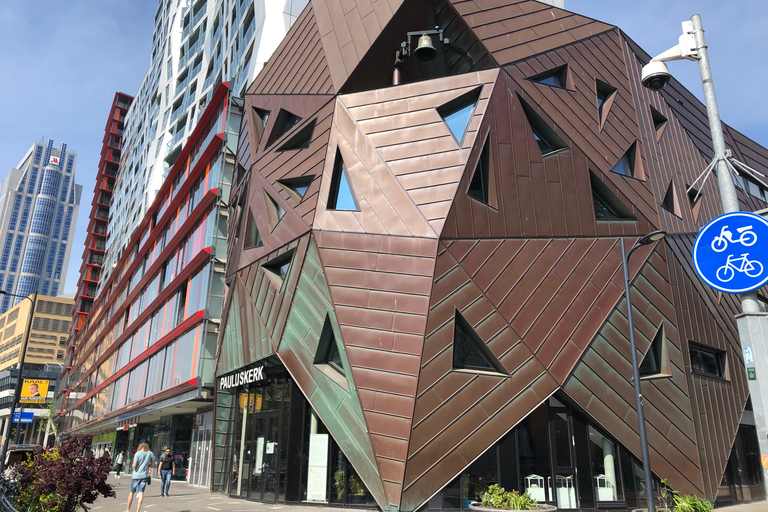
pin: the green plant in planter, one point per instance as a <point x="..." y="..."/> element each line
<point x="498" y="497"/>
<point x="495" y="497"/>
<point x="338" y="484"/>
<point x="691" y="503"/>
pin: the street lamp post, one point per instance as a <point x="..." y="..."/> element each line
<point x="752" y="323"/>
<point x="645" y="240"/>
<point x="19" y="380"/>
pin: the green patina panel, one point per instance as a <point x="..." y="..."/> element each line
<point x="338" y="408"/>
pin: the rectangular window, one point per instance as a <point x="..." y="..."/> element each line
<point x="708" y="361"/>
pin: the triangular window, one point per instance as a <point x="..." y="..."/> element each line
<point x="301" y="139"/>
<point x="297" y="187"/>
<point x="276" y="212"/>
<point x="259" y="118"/>
<point x="630" y="164"/>
<point x="285" y="121"/>
<point x="276" y="270"/>
<point x="252" y="237"/>
<point x="328" y="356"/>
<point x="328" y="350"/>
<point x="483" y="187"/>
<point x="655" y="363"/>
<point x="671" y="202"/>
<point x="458" y="112"/>
<point x="605" y="96"/>
<point x="659" y="122"/>
<point x="557" y="77"/>
<point x="548" y="140"/>
<point x="607" y="205"/>
<point x="341" y="196"/>
<point x="469" y="351"/>
<point x="694" y="198"/>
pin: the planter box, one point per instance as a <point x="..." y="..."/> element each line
<point x="479" y="508"/>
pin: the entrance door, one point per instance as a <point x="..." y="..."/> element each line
<point x="562" y="440"/>
<point x="265" y="462"/>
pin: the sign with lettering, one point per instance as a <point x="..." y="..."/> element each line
<point x="240" y="378"/>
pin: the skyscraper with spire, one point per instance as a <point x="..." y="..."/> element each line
<point x="38" y="209"/>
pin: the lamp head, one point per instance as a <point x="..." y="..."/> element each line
<point x="425" y="51"/>
<point x="652" y="237"/>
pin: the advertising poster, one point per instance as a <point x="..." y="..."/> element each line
<point x="34" y="391"/>
<point x="318" y="468"/>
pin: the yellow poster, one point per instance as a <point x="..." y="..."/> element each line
<point x="34" y="391"/>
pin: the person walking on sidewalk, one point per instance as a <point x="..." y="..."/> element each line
<point x="165" y="471"/>
<point x="142" y="462"/>
<point x="119" y="461"/>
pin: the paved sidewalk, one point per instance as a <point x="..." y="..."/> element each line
<point x="755" y="506"/>
<point x="187" y="498"/>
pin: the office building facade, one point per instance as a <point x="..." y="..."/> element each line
<point x="143" y="364"/>
<point x="424" y="278"/>
<point x="43" y="361"/>
<point x="39" y="201"/>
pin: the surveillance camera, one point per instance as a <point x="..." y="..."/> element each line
<point x="655" y="75"/>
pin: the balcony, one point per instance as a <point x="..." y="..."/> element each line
<point x="178" y="136"/>
<point x="197" y="17"/>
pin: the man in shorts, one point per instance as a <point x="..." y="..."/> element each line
<point x="142" y="461"/>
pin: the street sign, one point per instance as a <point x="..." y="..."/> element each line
<point x="26" y="417"/>
<point x="731" y="252"/>
<point x="751" y="374"/>
<point x="748" y="359"/>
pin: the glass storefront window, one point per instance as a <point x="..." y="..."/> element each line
<point x="533" y="450"/>
<point x="603" y="455"/>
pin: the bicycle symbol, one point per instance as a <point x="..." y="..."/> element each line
<point x="747" y="238"/>
<point x="752" y="268"/>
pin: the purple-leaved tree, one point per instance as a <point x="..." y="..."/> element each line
<point x="62" y="479"/>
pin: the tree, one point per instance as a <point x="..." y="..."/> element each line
<point x="62" y="479"/>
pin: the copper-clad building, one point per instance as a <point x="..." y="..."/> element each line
<point x="425" y="290"/>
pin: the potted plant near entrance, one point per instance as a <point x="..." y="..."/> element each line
<point x="497" y="498"/>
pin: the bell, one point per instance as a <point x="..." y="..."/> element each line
<point x="425" y="50"/>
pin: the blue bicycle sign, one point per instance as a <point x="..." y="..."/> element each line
<point x="730" y="252"/>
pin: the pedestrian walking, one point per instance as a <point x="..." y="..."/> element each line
<point x="142" y="462"/>
<point x="119" y="461"/>
<point x="165" y="471"/>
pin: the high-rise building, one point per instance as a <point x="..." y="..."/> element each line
<point x="39" y="201"/>
<point x="196" y="45"/>
<point x="96" y="233"/>
<point x="144" y="357"/>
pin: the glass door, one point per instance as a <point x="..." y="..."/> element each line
<point x="562" y="441"/>
<point x="265" y="460"/>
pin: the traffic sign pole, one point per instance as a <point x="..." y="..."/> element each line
<point x="753" y="325"/>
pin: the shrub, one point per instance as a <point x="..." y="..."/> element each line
<point x="691" y="503"/>
<point x="497" y="497"/>
<point x="60" y="480"/>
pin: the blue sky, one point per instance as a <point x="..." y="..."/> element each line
<point x="62" y="63"/>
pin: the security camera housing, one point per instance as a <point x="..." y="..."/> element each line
<point x="655" y="75"/>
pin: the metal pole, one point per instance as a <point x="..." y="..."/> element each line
<point x="638" y="394"/>
<point x="728" y="198"/>
<point x="19" y="381"/>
